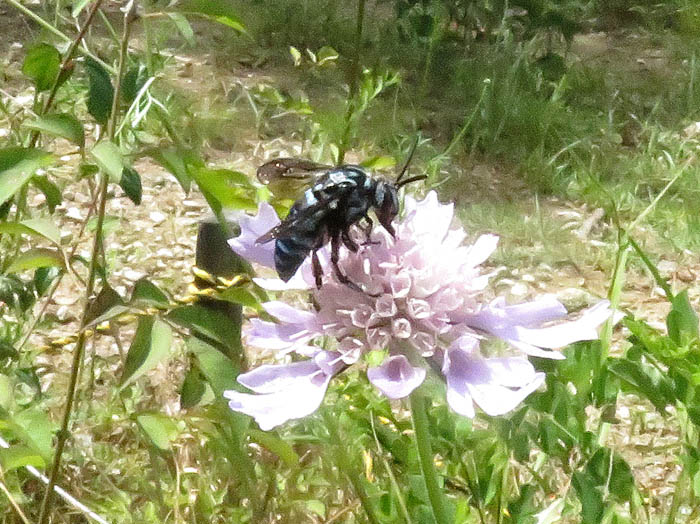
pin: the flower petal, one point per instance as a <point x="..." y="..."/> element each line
<point x="497" y="400"/>
<point x="270" y="410"/>
<point x="273" y="378"/>
<point x="278" y="337"/>
<point x="253" y="228"/>
<point x="396" y="377"/>
<point x="512" y="323"/>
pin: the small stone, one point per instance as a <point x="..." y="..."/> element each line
<point x="157" y="217"/>
<point x="133" y="275"/>
<point x="165" y="253"/>
<point x="74" y="213"/>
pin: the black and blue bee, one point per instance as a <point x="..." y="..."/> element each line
<point x="339" y="198"/>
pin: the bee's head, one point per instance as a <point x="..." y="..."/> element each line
<point x="386" y="202"/>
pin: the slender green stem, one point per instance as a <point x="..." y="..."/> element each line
<point x="425" y="453"/>
<point x="341" y="458"/>
<point x="64" y="434"/>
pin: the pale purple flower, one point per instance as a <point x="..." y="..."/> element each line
<point x="424" y="294"/>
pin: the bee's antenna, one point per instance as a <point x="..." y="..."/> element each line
<point x="405" y="167"/>
<point x="409" y="180"/>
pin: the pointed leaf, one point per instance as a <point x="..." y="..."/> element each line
<point x="176" y="162"/>
<point x="160" y="429"/>
<point x="224" y="188"/>
<point x="51" y="191"/>
<point x="36" y="258"/>
<point x="219" y="370"/>
<point x="62" y="125"/>
<point x="42" y="227"/>
<point x="192" y="390"/>
<point x="146" y="291"/>
<point x="42" y="64"/>
<point x="20" y="456"/>
<point x="183" y="27"/>
<point x="109" y="158"/>
<point x="105" y="300"/>
<point x="17" y="165"/>
<point x="78" y="6"/>
<point x="682" y="320"/>
<point x="101" y="94"/>
<point x="131" y="184"/>
<point x="150" y="345"/>
<point x="210" y="323"/>
<point x="279" y="447"/>
<point x="222" y="12"/>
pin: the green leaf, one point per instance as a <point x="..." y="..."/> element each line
<point x="208" y="322"/>
<point x="615" y="473"/>
<point x="214" y="9"/>
<point x="35" y="258"/>
<point x="42" y="64"/>
<point x="150" y="345"/>
<point x="51" y="191"/>
<point x="160" y="429"/>
<point x="131" y="184"/>
<point x="17" y="165"/>
<point x="78" y="7"/>
<point x="20" y="456"/>
<point x="105" y="300"/>
<point x="176" y="162"/>
<point x="316" y="506"/>
<point x="592" y="506"/>
<point x="147" y="292"/>
<point x="183" y="27"/>
<point x="36" y="430"/>
<point x="43" y="278"/>
<point x="192" y="390"/>
<point x="219" y="370"/>
<point x="326" y="54"/>
<point x="134" y="80"/>
<point x="101" y="92"/>
<point x="109" y="158"/>
<point x="240" y="295"/>
<point x="682" y="320"/>
<point x="7" y="393"/>
<point x="42" y="227"/>
<point x="62" y="125"/>
<point x="379" y="162"/>
<point x="273" y="443"/>
<point x="224" y="188"/>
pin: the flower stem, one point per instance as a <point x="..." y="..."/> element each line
<point x="421" y="428"/>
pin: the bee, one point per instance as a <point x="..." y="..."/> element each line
<point x="339" y="197"/>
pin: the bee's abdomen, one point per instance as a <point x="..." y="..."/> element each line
<point x="290" y="253"/>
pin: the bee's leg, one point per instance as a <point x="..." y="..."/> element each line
<point x="317" y="269"/>
<point x="366" y="228"/>
<point x="342" y="278"/>
<point x="349" y="242"/>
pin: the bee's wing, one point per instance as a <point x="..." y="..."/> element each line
<point x="289" y="168"/>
